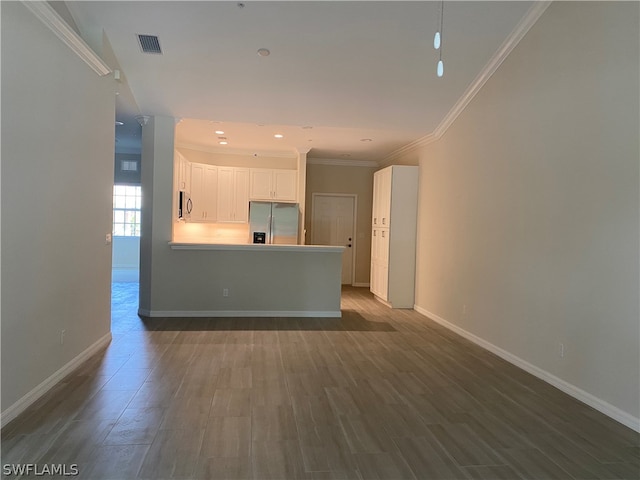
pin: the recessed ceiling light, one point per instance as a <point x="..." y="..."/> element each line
<point x="264" y="52"/>
<point x="219" y="132"/>
<point x="119" y="123"/>
<point x="279" y="135"/>
<point x="366" y="140"/>
<point x="223" y="142"/>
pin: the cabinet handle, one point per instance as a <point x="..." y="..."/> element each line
<point x="374" y="233"/>
<point x="375" y="220"/>
<point x="384" y="220"/>
<point x="382" y="234"/>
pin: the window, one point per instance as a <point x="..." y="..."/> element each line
<point x="127" y="200"/>
<point x="129" y="166"/>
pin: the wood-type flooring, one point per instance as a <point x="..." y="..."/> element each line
<point x="377" y="394"/>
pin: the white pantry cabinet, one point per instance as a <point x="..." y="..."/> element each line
<point x="233" y="195"/>
<point x="204" y="192"/>
<point x="393" y="235"/>
<point x="273" y="185"/>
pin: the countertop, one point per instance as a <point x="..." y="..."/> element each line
<point x="257" y="247"/>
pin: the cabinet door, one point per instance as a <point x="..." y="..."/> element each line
<point x="197" y="193"/>
<point x="379" y="278"/>
<point x="375" y="201"/>
<point x="233" y="195"/>
<point x="285" y="185"/>
<point x="210" y="189"/>
<point x="241" y="195"/>
<point x="183" y="172"/>
<point x="260" y="184"/>
<point x="378" y="197"/>
<point x="225" y="194"/>
<point x="204" y="185"/>
<point x="384" y="196"/>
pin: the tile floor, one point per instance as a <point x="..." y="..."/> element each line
<point x="378" y="394"/>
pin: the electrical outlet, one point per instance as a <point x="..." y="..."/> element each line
<point x="225" y="292"/>
<point x="62" y="333"/>
<point x="107" y="239"/>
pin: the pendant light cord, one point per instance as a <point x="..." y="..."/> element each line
<point x="441" y="24"/>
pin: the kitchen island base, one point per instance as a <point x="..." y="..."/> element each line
<point x="215" y="280"/>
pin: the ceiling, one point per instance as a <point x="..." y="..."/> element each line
<point x="344" y="80"/>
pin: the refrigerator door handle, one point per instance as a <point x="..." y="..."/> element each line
<point x="270" y="229"/>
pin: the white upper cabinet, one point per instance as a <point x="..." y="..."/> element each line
<point x="233" y="195"/>
<point x="382" y="198"/>
<point x="204" y="192"/>
<point x="182" y="172"/>
<point x="273" y="185"/>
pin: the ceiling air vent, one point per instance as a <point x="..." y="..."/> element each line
<point x="149" y="44"/>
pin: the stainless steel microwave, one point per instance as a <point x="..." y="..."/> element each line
<point x="185" y="205"/>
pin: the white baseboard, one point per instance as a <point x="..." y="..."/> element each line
<point x="361" y="284"/>
<point x="570" y="389"/>
<point x="239" y="313"/>
<point x="27" y="400"/>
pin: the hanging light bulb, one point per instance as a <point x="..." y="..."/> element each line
<point x="437" y="42"/>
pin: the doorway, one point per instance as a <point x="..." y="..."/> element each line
<point x="333" y="220"/>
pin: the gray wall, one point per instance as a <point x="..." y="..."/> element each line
<point x="352" y="180"/>
<point x="57" y="180"/>
<point x="529" y="206"/>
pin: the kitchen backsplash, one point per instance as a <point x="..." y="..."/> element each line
<point x="185" y="232"/>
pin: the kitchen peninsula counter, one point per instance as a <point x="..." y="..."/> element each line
<point x="256" y="247"/>
<point x="247" y="280"/>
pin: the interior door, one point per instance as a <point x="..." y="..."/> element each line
<point x="333" y="223"/>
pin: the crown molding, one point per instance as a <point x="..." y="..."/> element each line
<point x="518" y="33"/>
<point x="410" y="147"/>
<point x="342" y="162"/>
<point x="50" y="18"/>
<point x="236" y="151"/>
<point x="514" y="38"/>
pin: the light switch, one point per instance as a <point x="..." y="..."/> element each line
<point x="107" y="239"/>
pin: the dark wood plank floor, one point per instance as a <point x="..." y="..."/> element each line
<point x="378" y="394"/>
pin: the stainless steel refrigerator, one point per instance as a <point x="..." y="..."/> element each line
<point x="273" y="223"/>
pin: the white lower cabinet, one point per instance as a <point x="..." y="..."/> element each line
<point x="204" y="192"/>
<point x="233" y="195"/>
<point x="380" y="262"/>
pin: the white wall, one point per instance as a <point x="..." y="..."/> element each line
<point x="126" y="259"/>
<point x="529" y="206"/>
<point x="57" y="181"/>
